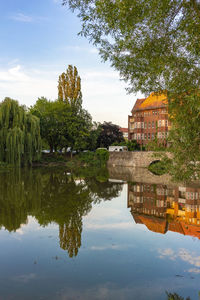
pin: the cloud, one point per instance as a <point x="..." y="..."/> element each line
<point x="101" y="89"/>
<point x="20" y="17"/>
<point x="14" y="74"/>
<point x="183" y="254"/>
<point x="25" y="277"/>
<point x="107" y="247"/>
<point x="122" y="225"/>
<point x="194" y="270"/>
<point x="27" y="86"/>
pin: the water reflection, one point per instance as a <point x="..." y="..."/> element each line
<point x="53" y="196"/>
<point x="165" y="208"/>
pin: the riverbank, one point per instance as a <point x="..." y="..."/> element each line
<point x="98" y="158"/>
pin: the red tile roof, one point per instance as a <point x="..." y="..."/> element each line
<point x="123" y="129"/>
<point x="152" y="101"/>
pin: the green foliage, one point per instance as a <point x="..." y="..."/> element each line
<point x="158" y="168"/>
<point x="77" y="129"/>
<point x="20" y="141"/>
<point x="131" y="145"/>
<point x="63" y="126"/>
<point x="102" y="155"/>
<point x="93" y="136"/>
<point x="154" y="44"/>
<point x="51" y="115"/>
<point x="175" y="296"/>
<point x="97" y="158"/>
<point x="184" y="137"/>
<point x="155" y="145"/>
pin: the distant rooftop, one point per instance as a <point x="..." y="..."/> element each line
<point x="151" y="102"/>
<point x="123" y="129"/>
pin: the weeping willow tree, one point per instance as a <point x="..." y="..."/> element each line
<point x="20" y="141"/>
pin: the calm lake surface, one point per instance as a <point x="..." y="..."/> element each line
<point x="127" y="235"/>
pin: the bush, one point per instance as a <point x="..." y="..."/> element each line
<point x="98" y="158"/>
<point x="102" y="155"/>
<point x="158" y="168"/>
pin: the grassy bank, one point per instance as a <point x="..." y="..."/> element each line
<point x="83" y="159"/>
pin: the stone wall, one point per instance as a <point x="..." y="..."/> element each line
<point x="140" y="159"/>
<point x="142" y="175"/>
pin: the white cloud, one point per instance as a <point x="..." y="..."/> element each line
<point x="104" y="96"/>
<point x="107" y="247"/>
<point x="25" y="278"/>
<point x="25" y="86"/>
<point x="20" y="17"/>
<point x="14" y="74"/>
<point x="122" y="225"/>
<point x="194" y="270"/>
<point x="184" y="255"/>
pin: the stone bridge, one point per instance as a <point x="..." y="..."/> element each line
<point x="140" y="159"/>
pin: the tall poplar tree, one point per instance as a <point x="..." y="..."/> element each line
<point x="20" y="141"/>
<point x="69" y="87"/>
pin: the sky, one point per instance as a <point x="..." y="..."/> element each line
<point x="38" y="40"/>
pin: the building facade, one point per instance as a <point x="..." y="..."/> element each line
<point x="149" y="120"/>
<point x="124" y="132"/>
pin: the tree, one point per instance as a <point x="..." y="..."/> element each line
<point x="63" y="125"/>
<point x="78" y="129"/>
<point x="184" y="138"/>
<point x="20" y="141"/>
<point x="155" y="46"/>
<point x="109" y="134"/>
<point x="52" y="121"/>
<point x="69" y="87"/>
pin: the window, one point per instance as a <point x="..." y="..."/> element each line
<point x="149" y="124"/>
<point x="145" y="125"/>
<point x="142" y="136"/>
<point x="152" y="136"/>
<point x="152" y="124"/>
<point x="166" y="123"/>
<point x="142" y="124"/>
<point x="145" y="136"/>
<point x="159" y="123"/>
<point x="149" y="136"/>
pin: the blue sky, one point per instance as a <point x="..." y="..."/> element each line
<point x="38" y="40"/>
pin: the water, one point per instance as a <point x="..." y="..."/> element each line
<point x="84" y="236"/>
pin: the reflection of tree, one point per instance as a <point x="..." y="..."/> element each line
<point x="52" y="196"/>
<point x="175" y="296"/>
<point x="19" y="194"/>
<point x="70" y="236"/>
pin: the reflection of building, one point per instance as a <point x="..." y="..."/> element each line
<point x="162" y="208"/>
<point x="149" y="119"/>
